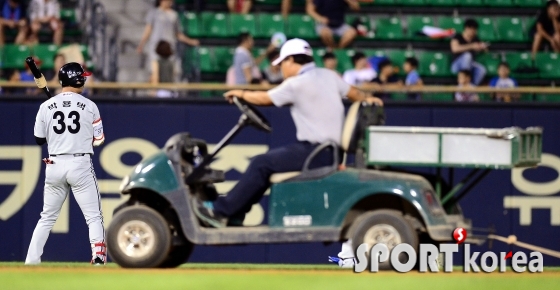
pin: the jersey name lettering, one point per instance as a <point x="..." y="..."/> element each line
<point x="81" y="105"/>
<point x="52" y="106"/>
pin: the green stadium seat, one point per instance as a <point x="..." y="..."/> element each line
<point x="415" y="24"/>
<point x="364" y="19"/>
<point x="301" y="26"/>
<point x="486" y="29"/>
<point x="14" y="56"/>
<point x="398" y="57"/>
<point x="548" y="98"/>
<point x="68" y="15"/>
<point x="399" y="97"/>
<point x="498" y="3"/>
<point x="413" y="2"/>
<point x="529" y="3"/>
<point x="242" y="23"/>
<point x="317" y="56"/>
<point x="268" y="24"/>
<point x="491" y="61"/>
<point x="441" y="2"/>
<point x="438" y="97"/>
<point x="191" y="24"/>
<point x="451" y="22"/>
<point x="343" y="57"/>
<point x="548" y="64"/>
<point x="46" y="53"/>
<point x="388" y="28"/>
<point x="206" y="60"/>
<point x="435" y="64"/>
<point x="256" y="53"/>
<point x="518" y="61"/>
<point x="469" y="2"/>
<point x="510" y="29"/>
<point x="385" y="2"/>
<point x="223" y="57"/>
<point x="215" y="25"/>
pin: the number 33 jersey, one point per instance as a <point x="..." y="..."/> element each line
<point x="70" y="123"/>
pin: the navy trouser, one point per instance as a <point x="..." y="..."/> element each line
<point x="255" y="181"/>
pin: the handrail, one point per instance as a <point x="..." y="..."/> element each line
<point x="223" y="87"/>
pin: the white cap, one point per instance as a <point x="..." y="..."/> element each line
<point x="293" y="47"/>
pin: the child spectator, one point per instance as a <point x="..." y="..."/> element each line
<point x="413" y="79"/>
<point x="504" y="81"/>
<point x="330" y="61"/>
<point x="547" y="27"/>
<point x="163" y="69"/>
<point x="386" y="79"/>
<point x="272" y="75"/>
<point x="13" y="16"/>
<point x="362" y="71"/>
<point x="464" y="81"/>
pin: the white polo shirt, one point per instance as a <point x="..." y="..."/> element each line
<point x="315" y="99"/>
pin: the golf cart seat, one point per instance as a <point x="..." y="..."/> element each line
<point x="348" y="134"/>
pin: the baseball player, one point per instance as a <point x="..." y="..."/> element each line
<point x="70" y="124"/>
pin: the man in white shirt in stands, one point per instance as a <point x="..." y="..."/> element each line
<point x="362" y="71"/>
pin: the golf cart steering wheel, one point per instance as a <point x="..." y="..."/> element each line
<point x="256" y="118"/>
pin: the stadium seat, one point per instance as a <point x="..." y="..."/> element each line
<point x="415" y="24"/>
<point x="190" y="24"/>
<point x="399" y="97"/>
<point x="301" y="26"/>
<point x="206" y="60"/>
<point x="548" y="98"/>
<point x="451" y="22"/>
<point x="215" y="24"/>
<point x="14" y="56"/>
<point x="398" y="57"/>
<point x="469" y="2"/>
<point x="438" y="97"/>
<point x="68" y="15"/>
<point x="317" y="56"/>
<point x="364" y="19"/>
<point x="529" y="3"/>
<point x="343" y="57"/>
<point x="441" y="2"/>
<point x="388" y="28"/>
<point x="486" y="29"/>
<point x="491" y="61"/>
<point x="520" y="61"/>
<point x="498" y="3"/>
<point x="268" y="24"/>
<point x="434" y="64"/>
<point x="223" y="58"/>
<point x="385" y="2"/>
<point x="510" y="29"/>
<point x="548" y="64"/>
<point x="46" y="53"/>
<point x="242" y="23"/>
<point x="413" y="2"/>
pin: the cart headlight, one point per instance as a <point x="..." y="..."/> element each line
<point x="124" y="183"/>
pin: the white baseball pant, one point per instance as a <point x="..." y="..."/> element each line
<point x="68" y="172"/>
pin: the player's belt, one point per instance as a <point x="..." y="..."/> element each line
<point x="75" y="155"/>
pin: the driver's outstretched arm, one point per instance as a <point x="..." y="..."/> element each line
<point x="260" y="98"/>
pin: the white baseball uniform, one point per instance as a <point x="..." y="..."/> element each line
<point x="71" y="125"/>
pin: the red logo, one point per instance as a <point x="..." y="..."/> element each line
<point x="460" y="235"/>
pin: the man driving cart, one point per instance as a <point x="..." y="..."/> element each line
<point x="314" y="96"/>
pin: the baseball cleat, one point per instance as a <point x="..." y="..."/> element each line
<point x="343" y="263"/>
<point x="204" y="210"/>
<point x="98" y="261"/>
<point x="99" y="252"/>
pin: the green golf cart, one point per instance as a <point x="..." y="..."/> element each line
<point x="365" y="202"/>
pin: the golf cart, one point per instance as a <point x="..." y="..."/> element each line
<point x="157" y="227"/>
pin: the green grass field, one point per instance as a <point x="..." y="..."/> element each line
<point x="60" y="276"/>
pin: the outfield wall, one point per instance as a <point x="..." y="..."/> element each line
<point x="526" y="204"/>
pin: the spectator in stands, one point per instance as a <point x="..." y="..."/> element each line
<point x="25" y="76"/>
<point x="464" y="81"/>
<point x="362" y="71"/>
<point x="162" y="23"/>
<point x="46" y="14"/>
<point x="245" y="67"/>
<point x="504" y="81"/>
<point x="464" y="46"/>
<point x="272" y="74"/>
<point x="329" y="15"/>
<point x="330" y="61"/>
<point x="163" y="69"/>
<point x="547" y="27"/>
<point x="239" y="6"/>
<point x="386" y="79"/>
<point x="413" y="79"/>
<point x="14" y="14"/>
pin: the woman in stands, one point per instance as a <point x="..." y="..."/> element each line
<point x="547" y="27"/>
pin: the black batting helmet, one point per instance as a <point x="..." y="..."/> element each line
<point x="72" y="74"/>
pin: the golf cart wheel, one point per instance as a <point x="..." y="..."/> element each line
<point x="138" y="237"/>
<point x="387" y="227"/>
<point x="177" y="256"/>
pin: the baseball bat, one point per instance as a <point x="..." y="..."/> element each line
<point x="39" y="77"/>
